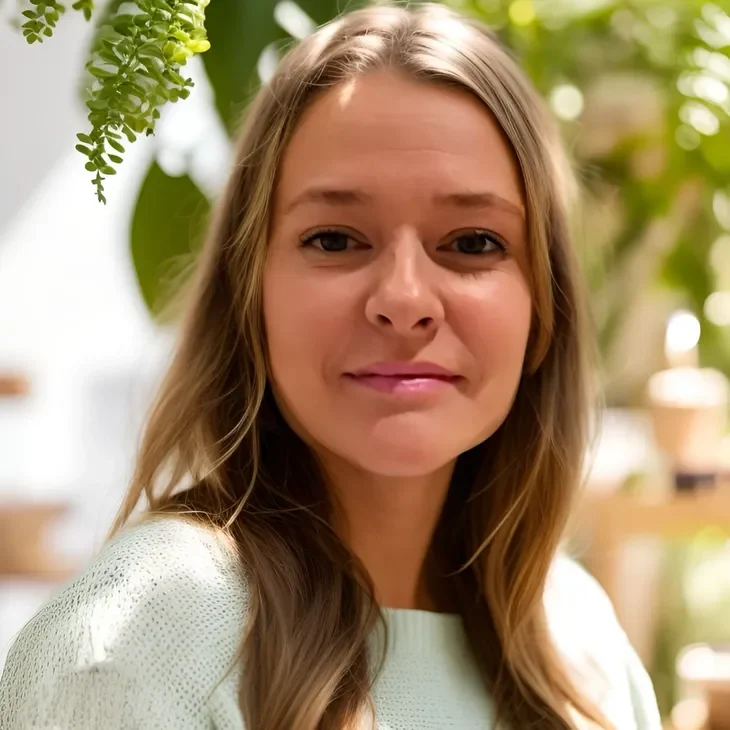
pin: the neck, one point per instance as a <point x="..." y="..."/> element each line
<point x="388" y="522"/>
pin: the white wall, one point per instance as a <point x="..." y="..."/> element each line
<point x="71" y="316"/>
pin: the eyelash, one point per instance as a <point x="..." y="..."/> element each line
<point x="308" y="240"/>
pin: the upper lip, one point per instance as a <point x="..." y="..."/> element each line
<point x="405" y="369"/>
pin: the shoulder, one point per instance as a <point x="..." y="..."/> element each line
<point x="162" y="573"/>
<point x="156" y="616"/>
<point x="587" y="633"/>
<point x="573" y="594"/>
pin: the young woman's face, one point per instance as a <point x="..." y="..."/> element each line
<point x="396" y="302"/>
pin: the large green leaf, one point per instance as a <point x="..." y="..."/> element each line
<point x="167" y="228"/>
<point x="238" y="31"/>
<point x="320" y="11"/>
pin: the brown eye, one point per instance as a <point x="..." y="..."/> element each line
<point x="478" y="243"/>
<point x="329" y="241"/>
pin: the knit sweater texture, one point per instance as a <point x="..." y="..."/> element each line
<point x="143" y="638"/>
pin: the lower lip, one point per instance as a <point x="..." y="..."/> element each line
<point x="397" y="385"/>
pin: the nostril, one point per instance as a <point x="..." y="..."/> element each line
<point x="404" y="324"/>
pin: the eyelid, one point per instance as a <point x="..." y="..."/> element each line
<point x="310" y="236"/>
<point x="495" y="238"/>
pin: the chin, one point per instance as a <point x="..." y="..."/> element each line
<point x="406" y="453"/>
<point x="401" y="462"/>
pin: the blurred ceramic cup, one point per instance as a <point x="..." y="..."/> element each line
<point x="689" y="410"/>
<point x="690" y="714"/>
<point x="704" y="675"/>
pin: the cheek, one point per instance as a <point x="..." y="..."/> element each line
<point x="308" y="327"/>
<point x="305" y="324"/>
<point x="494" y="324"/>
<point x="283" y="319"/>
<point x="495" y="329"/>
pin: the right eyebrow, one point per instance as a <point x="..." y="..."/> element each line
<point x="329" y="196"/>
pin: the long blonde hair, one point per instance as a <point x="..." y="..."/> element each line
<point x="217" y="449"/>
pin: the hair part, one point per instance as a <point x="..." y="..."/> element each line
<point x="217" y="449"/>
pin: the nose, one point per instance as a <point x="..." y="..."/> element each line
<point x="403" y="300"/>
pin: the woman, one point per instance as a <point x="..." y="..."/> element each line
<point x="361" y="462"/>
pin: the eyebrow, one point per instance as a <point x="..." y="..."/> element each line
<point x="466" y="199"/>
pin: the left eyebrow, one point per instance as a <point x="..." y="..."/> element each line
<point x="346" y="197"/>
<point x="480" y="200"/>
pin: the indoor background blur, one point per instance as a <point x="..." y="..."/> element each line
<point x="641" y="90"/>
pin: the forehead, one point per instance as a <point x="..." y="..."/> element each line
<point x="385" y="130"/>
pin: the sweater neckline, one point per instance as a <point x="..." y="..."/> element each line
<point x="412" y="629"/>
<point x="419" y="614"/>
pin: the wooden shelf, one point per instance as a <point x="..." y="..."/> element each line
<point x="673" y="515"/>
<point x="13" y="385"/>
<point x="604" y="523"/>
<point x="23" y="550"/>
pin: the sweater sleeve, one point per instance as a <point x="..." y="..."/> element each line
<point x="47" y="683"/>
<point x="643" y="699"/>
<point x="595" y="645"/>
<point x="137" y="642"/>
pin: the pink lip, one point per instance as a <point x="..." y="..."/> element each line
<point x="405" y="370"/>
<point x="404" y="378"/>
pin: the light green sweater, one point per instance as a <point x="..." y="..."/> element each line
<point x="141" y="639"/>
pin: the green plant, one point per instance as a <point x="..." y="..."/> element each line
<point x="42" y="20"/>
<point x="134" y="69"/>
